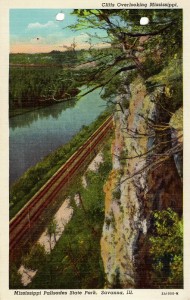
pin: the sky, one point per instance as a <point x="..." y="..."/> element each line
<point x="37" y="30"/>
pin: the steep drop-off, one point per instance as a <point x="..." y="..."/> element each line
<point x="144" y="178"/>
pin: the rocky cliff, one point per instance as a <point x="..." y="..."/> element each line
<point x="144" y="178"/>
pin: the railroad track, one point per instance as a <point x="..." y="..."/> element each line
<point x="29" y="216"/>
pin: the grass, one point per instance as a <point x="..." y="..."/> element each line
<point x="76" y="261"/>
<point x="35" y="177"/>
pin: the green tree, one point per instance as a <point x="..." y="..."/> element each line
<point x="153" y="52"/>
<point x="167" y="249"/>
<point x="15" y="277"/>
<point x="35" y="258"/>
<point x="52" y="231"/>
<point x="128" y="53"/>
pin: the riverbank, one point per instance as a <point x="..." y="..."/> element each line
<point x="37" y="176"/>
<point x="23" y="111"/>
<point x="61" y="218"/>
<point x="38" y="133"/>
<point x="75" y="260"/>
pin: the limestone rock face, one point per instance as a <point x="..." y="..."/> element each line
<point x="136" y="185"/>
<point x="176" y="124"/>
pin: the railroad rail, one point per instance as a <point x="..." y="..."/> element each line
<point x="28" y="217"/>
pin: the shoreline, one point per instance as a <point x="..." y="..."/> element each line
<point x="28" y="110"/>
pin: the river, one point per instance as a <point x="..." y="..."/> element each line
<point x="35" y="134"/>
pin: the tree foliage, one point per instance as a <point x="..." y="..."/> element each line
<point x="133" y="48"/>
<point x="28" y="86"/>
<point x="167" y="249"/>
<point x="75" y="261"/>
<point x="14" y="277"/>
<point x="153" y="52"/>
<point x="36" y="257"/>
<point x="34" y="178"/>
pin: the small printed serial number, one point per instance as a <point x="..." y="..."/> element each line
<point x="170" y="293"/>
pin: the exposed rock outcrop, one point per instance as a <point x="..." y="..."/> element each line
<point x="176" y="123"/>
<point x="144" y="177"/>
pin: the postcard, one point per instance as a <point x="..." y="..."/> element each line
<point x="94" y="184"/>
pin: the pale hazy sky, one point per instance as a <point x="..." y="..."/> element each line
<point x="36" y="30"/>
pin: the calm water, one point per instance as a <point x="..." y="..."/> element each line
<point x="35" y="134"/>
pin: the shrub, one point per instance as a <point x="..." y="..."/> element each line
<point x="167" y="249"/>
